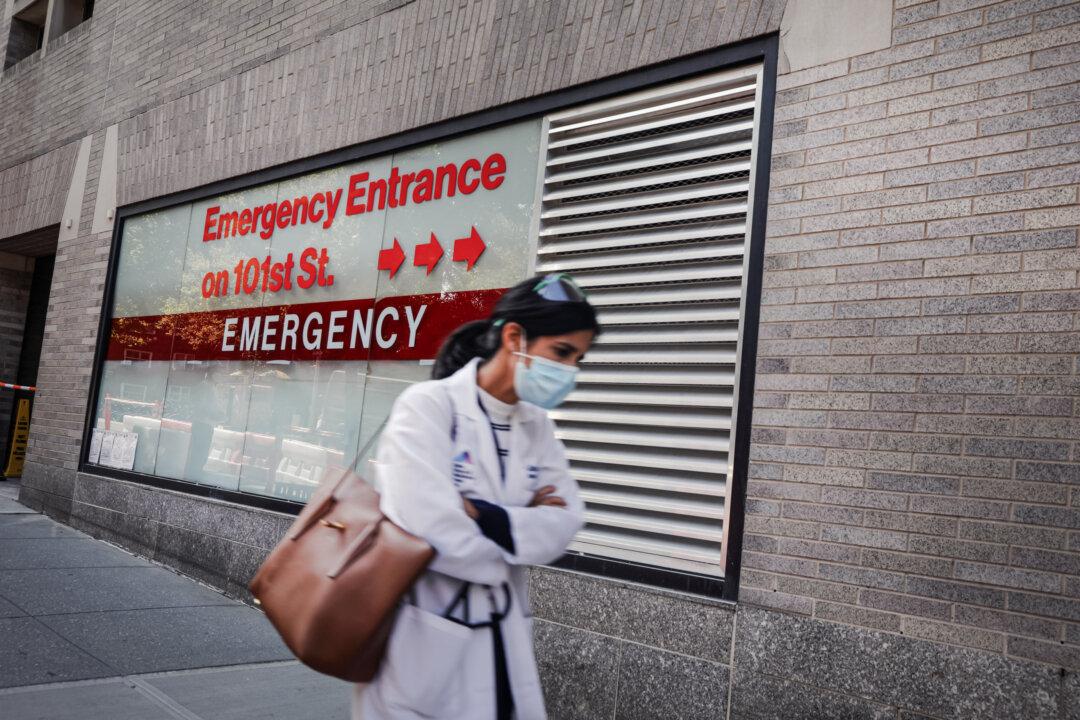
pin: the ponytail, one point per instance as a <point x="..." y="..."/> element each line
<point x="471" y="340"/>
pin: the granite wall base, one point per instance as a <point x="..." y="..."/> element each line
<point x="611" y="649"/>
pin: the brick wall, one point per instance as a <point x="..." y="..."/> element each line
<point x="297" y="81"/>
<point x="914" y="465"/>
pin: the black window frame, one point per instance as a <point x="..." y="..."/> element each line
<point x="762" y="50"/>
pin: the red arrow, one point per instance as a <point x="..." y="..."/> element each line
<point x="469" y="248"/>
<point x="391" y="258"/>
<point x="429" y="254"/>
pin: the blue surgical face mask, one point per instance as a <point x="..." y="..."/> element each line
<point x="544" y="382"/>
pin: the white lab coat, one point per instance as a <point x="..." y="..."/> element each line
<point x="422" y="474"/>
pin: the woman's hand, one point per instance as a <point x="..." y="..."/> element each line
<point x="546" y="496"/>
<point x="470" y="509"/>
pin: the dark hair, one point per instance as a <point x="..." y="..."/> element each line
<point x="520" y="304"/>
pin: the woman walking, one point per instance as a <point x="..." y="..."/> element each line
<point x="470" y="463"/>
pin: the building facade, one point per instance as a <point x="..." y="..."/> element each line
<point x="829" y="439"/>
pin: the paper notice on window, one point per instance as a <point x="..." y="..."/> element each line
<point x="105" y="456"/>
<point x="123" y="454"/>
<point x="95" y="447"/>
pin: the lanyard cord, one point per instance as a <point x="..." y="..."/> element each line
<point x="495" y="437"/>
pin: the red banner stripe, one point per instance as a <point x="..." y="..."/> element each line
<point x="410" y="327"/>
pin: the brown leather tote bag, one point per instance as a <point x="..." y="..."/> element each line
<point x="332" y="586"/>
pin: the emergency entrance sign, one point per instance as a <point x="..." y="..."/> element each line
<point x="378" y="259"/>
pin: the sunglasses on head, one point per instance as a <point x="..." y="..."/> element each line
<point x="560" y="287"/>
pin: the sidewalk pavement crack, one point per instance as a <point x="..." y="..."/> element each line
<point x="161" y="698"/>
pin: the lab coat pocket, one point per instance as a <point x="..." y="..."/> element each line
<point x="422" y="667"/>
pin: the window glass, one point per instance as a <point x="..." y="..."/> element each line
<point x="258" y="339"/>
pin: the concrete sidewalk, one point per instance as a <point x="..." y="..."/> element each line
<point x="91" y="632"/>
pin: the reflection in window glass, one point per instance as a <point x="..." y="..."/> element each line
<point x="259" y="338"/>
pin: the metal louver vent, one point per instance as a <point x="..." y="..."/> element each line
<point x="645" y="199"/>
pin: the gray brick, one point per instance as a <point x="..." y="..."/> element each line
<point x="872" y="383"/>
<point x="911" y="522"/>
<point x="885" y="198"/>
<point x="862" y="346"/>
<point x="895" y="55"/>
<point x="943" y="325"/>
<point x="1052" y="259"/>
<point x="937" y="364"/>
<point x="974" y="225"/>
<point x="934" y="63"/>
<point x="864" y="537"/>
<point x="908" y="442"/>
<point x="805" y="587"/>
<point x="864" y="577"/>
<point x="961" y="549"/>
<point x="1060" y="55"/>
<point x="1066" y="15"/>
<point x="911" y="250"/>
<point x="950" y="633"/>
<point x="1021" y="364"/>
<point x="908" y="563"/>
<point x="1027" y="449"/>
<point x="1020" y="405"/>
<point x="783" y="528"/>
<point x="879" y="271"/>
<point x="979" y="109"/>
<point x="857" y="616"/>
<point x="905" y="604"/>
<point x="969" y="385"/>
<point x="778" y="564"/>
<point x="1057" y="608"/>
<point x="976" y="424"/>
<point x="986" y="304"/>
<point x="877" y="309"/>
<point x="1048" y="560"/>
<point x="1016" y="242"/>
<point x="1049" y="177"/>
<point x="857" y="497"/>
<point x="828" y="438"/>
<point x="912" y="483"/>
<point x="1012" y="490"/>
<point x="1010" y="202"/>
<point x="915" y="403"/>
<point x="1015" y="282"/>
<point x="927" y="211"/>
<point x="938" y="172"/>
<point x="1050" y="516"/>
<point x="886" y="161"/>
<point x="818" y="550"/>
<point x="1048" y="472"/>
<point x="1017" y="8"/>
<point x="1059" y="386"/>
<point x="1047" y="652"/>
<point x="1020" y="323"/>
<point x="955" y="591"/>
<point x="960" y="507"/>
<point x="883" y="126"/>
<point x="847" y="477"/>
<point x="937" y="26"/>
<point x="924" y="287"/>
<point x="1050" y="427"/>
<point x="871" y="421"/>
<point x="968" y="467"/>
<point x="1007" y="622"/>
<point x="903" y="232"/>
<point x="976" y="186"/>
<point x="1008" y="577"/>
<point x="1061" y="342"/>
<point x="985" y="70"/>
<point x="823" y="513"/>
<point x="1029" y="159"/>
<point x="984" y="34"/>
